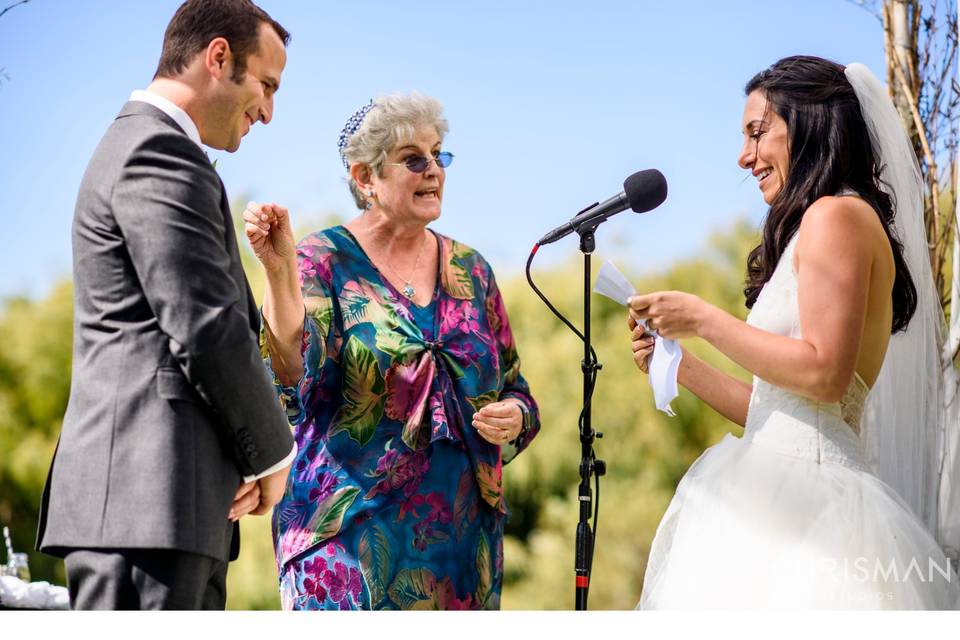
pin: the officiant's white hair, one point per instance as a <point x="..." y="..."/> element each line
<point x="393" y="120"/>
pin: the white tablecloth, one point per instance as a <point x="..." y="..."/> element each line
<point x="16" y="593"/>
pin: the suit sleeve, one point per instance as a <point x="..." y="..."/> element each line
<point x="167" y="203"/>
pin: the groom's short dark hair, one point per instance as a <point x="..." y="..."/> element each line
<point x="197" y="22"/>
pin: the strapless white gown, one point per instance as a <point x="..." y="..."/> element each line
<point x="789" y="516"/>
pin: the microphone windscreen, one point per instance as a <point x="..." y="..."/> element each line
<point x="645" y="190"/>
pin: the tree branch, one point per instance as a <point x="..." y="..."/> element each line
<point x="928" y="155"/>
<point x="863" y="5"/>
<point x="13" y="5"/>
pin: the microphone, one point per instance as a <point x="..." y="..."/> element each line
<point x="642" y="192"/>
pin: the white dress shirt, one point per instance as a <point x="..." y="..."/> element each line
<point x="189" y="127"/>
<point x="179" y="115"/>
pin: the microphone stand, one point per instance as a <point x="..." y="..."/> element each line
<point x="642" y="191"/>
<point x="590" y="466"/>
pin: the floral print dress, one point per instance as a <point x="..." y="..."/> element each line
<point x="394" y="500"/>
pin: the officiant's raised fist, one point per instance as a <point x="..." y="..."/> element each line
<point x="268" y="230"/>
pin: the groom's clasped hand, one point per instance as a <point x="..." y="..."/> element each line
<point x="258" y="496"/>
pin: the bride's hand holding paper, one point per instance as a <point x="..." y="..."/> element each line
<point x="643" y="343"/>
<point x="672" y="314"/>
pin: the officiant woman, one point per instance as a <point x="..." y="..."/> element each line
<point x="394" y="359"/>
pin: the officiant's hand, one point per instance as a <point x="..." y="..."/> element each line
<point x="499" y="422"/>
<point x="672" y="314"/>
<point x="270" y="235"/>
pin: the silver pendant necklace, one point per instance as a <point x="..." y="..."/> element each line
<point x="408" y="289"/>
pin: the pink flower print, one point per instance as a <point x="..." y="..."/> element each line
<point x="342" y="582"/>
<point x="308" y="271"/>
<point x="322" y="268"/>
<point x="458" y="315"/>
<point x="438" y="415"/>
<point x="407" y="389"/>
<point x="309" y="465"/>
<point x="295" y="540"/>
<point x="410" y="506"/>
<point x="387" y="461"/>
<point x="398" y="470"/>
<point x="325" y="486"/>
<point x="439" y="509"/>
<point x="422" y="532"/>
<point x="450" y="315"/>
<point x="480" y="274"/>
<point x="468" y="318"/>
<point x="313" y="582"/>
<point x="464" y="352"/>
<point x="314" y="264"/>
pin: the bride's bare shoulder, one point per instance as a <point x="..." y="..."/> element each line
<point x="843" y="224"/>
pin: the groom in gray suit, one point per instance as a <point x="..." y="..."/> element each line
<point x="173" y="430"/>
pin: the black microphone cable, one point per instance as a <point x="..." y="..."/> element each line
<point x="593" y="383"/>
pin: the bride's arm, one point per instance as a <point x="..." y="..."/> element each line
<point x="727" y="395"/>
<point x="834" y="256"/>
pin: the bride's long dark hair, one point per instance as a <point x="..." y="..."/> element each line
<point x="829" y="149"/>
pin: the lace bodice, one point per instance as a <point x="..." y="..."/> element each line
<point x="788" y="422"/>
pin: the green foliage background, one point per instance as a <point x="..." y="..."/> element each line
<point x="646" y="451"/>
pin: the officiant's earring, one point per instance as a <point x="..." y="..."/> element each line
<point x="370" y="195"/>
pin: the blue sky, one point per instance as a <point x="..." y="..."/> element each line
<point x="551" y="105"/>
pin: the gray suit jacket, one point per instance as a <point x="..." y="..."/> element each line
<point x="170" y="404"/>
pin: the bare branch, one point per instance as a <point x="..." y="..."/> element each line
<point x="872" y="9"/>
<point x="920" y="39"/>
<point x="13" y="5"/>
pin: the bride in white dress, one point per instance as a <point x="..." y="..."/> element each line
<point x="793" y="514"/>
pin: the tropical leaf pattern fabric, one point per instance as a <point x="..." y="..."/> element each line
<point x="394" y="501"/>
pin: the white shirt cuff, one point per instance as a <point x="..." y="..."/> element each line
<point x="280" y="465"/>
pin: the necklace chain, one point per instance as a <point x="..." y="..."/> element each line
<point x="408" y="289"/>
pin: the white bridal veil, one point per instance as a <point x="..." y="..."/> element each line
<point x="911" y="427"/>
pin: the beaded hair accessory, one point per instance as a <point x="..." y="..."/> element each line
<point x="352" y="126"/>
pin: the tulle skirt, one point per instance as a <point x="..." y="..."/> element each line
<point x="754" y="528"/>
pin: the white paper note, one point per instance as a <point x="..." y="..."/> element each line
<point x="665" y="362"/>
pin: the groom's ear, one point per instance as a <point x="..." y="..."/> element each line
<point x="217" y="57"/>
